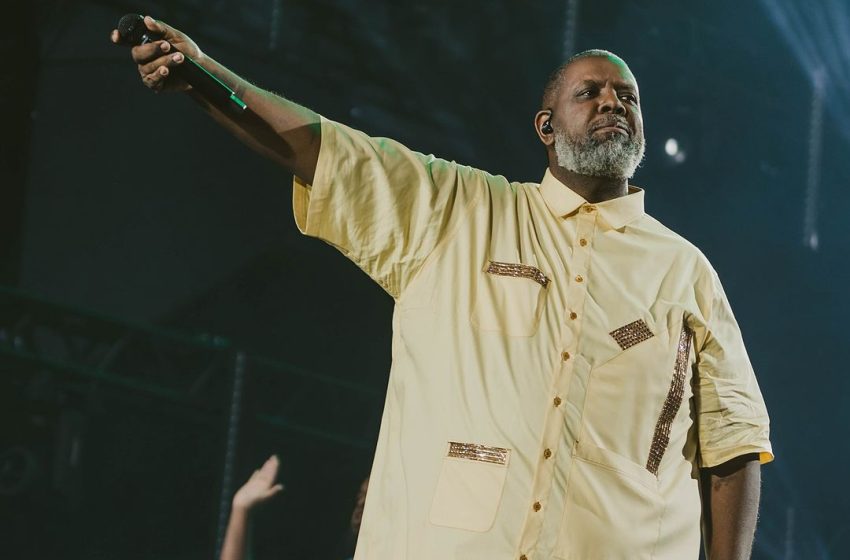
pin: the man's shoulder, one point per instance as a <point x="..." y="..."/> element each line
<point x="670" y="240"/>
<point x="499" y="186"/>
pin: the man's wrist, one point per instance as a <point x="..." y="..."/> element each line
<point x="218" y="70"/>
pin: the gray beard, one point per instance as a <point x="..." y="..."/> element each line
<point x="615" y="157"/>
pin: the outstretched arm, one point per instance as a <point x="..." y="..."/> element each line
<point x="259" y="488"/>
<point x="273" y="126"/>
<point x="732" y="492"/>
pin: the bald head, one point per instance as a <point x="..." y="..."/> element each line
<point x="556" y="78"/>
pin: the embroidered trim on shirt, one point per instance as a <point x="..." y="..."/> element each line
<point x="631" y="334"/>
<point x="518" y="271"/>
<point x="661" y="438"/>
<point x="475" y="452"/>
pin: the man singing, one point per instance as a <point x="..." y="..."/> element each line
<point x="568" y="379"/>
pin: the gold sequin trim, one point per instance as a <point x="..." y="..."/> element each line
<point x="661" y="438"/>
<point x="475" y="452"/>
<point x="631" y="334"/>
<point x="518" y="271"/>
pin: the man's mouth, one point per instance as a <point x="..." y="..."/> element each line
<point x="612" y="127"/>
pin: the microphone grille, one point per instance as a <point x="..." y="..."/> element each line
<point x="131" y="29"/>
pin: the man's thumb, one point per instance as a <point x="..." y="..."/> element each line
<point x="154" y="25"/>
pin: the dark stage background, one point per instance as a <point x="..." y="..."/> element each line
<point x="151" y="265"/>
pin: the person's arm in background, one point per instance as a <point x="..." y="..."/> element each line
<point x="279" y="129"/>
<point x="732" y="491"/>
<point x="259" y="488"/>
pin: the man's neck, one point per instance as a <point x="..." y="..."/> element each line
<point x="592" y="189"/>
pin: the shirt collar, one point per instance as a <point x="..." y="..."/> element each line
<point x="617" y="212"/>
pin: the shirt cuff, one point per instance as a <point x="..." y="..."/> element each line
<point x="309" y="201"/>
<point x="714" y="457"/>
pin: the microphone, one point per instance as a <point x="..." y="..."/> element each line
<point x="133" y="31"/>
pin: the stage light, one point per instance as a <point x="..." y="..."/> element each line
<point x="812" y="31"/>
<point x="675" y="150"/>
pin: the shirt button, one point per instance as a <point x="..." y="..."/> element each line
<point x="536" y="506"/>
<point x="582" y="242"/>
<point x="589" y="209"/>
<point x="573" y="315"/>
<point x="557" y="401"/>
<point x="523" y="557"/>
<point x="547" y="453"/>
<point x="579" y="278"/>
<point x="565" y="356"/>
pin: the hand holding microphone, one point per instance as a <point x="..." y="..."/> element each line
<point x="169" y="60"/>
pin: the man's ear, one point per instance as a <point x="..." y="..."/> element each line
<point x="543" y="127"/>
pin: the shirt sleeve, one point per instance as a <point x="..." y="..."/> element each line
<point x="732" y="416"/>
<point x="386" y="207"/>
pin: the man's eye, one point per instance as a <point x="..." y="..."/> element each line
<point x="586" y="93"/>
<point x="629" y="97"/>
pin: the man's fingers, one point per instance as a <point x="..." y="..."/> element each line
<point x="167" y="61"/>
<point x="155" y="60"/>
<point x="156" y="26"/>
<point x="155" y="80"/>
<point x="142" y="54"/>
<point x="159" y="27"/>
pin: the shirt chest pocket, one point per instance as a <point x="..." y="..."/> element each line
<point x="509" y="299"/>
<point x="470" y="487"/>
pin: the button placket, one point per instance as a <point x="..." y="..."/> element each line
<point x="569" y="398"/>
<point x="546" y="465"/>
<point x="585" y="226"/>
<point x="553" y="432"/>
<point x="545" y="470"/>
<point x="577" y="288"/>
<point x="576" y="294"/>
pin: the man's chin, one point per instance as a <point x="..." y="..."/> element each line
<point x="607" y="174"/>
<point x="612" y="176"/>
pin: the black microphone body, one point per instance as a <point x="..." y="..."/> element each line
<point x="133" y="31"/>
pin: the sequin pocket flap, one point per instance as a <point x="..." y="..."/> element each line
<point x="509" y="298"/>
<point x="518" y="271"/>
<point x="475" y="452"/>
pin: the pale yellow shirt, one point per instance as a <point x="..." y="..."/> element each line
<point x="560" y="369"/>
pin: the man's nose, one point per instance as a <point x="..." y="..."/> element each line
<point x="609" y="102"/>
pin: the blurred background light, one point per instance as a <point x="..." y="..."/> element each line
<point x="675" y="151"/>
